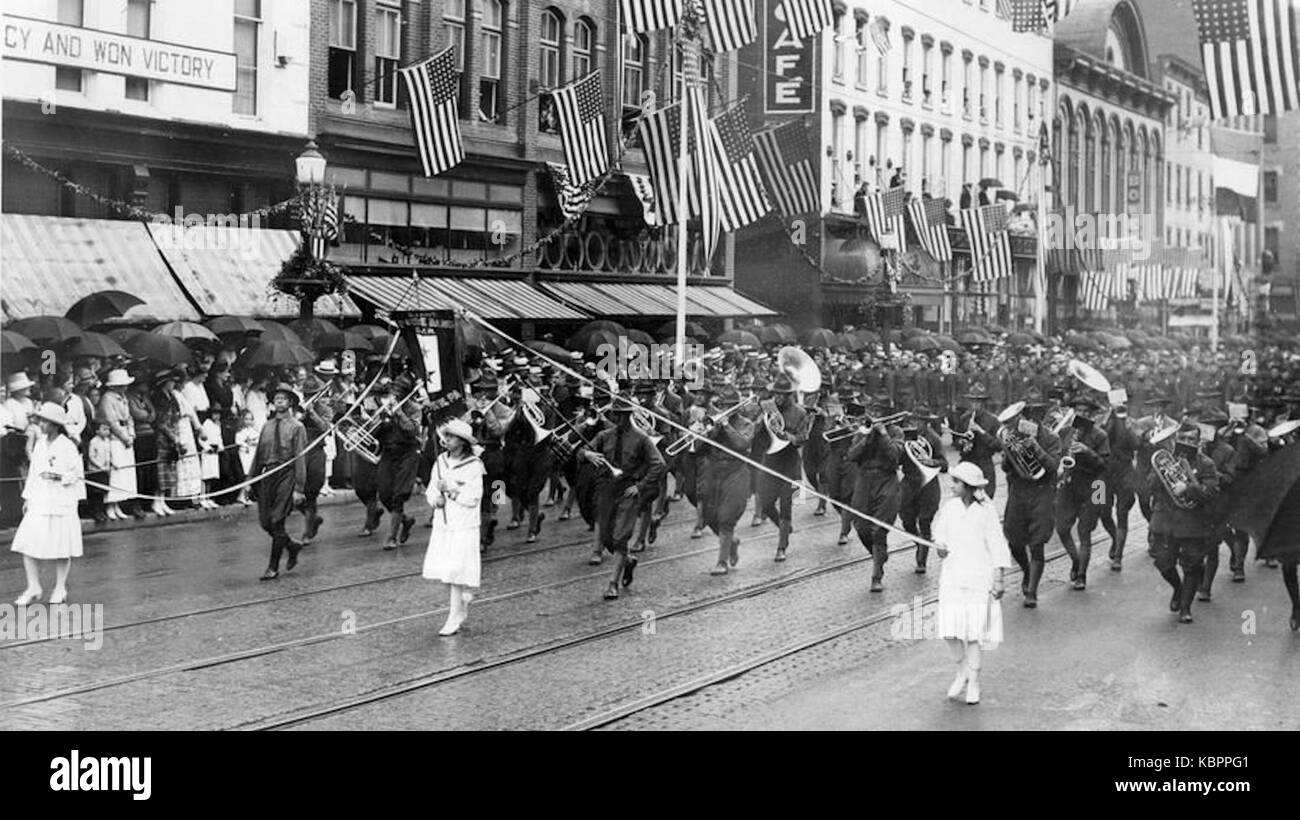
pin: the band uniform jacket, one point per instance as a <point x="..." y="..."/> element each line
<point x="640" y="460"/>
<point x="912" y="473"/>
<point x="1124" y="445"/>
<point x="1089" y="464"/>
<point x="398" y="432"/>
<point x="797" y="426"/>
<point x="1049" y="454"/>
<point x="985" y="444"/>
<point x="1167" y="518"/>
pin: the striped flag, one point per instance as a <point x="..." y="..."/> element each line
<point x="806" y="17"/>
<point x="990" y="244"/>
<point x="573" y="198"/>
<point x="645" y="194"/>
<point x="660" y="130"/>
<point x="320" y="220"/>
<point x="1056" y="10"/>
<point x="731" y="23"/>
<point x="786" y="160"/>
<point x="929" y="220"/>
<point x="885" y="216"/>
<point x="582" y="128"/>
<point x="431" y="89"/>
<point x="640" y="16"/>
<point x="1249" y="51"/>
<point x="740" y="190"/>
<point x="880" y="34"/>
<point x="704" y="185"/>
<point x="1028" y="15"/>
<point x="1093" y="291"/>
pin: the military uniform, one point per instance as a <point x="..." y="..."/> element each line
<point x="1029" y="516"/>
<point x="919" y="499"/>
<point x="877" y="493"/>
<point x="1180" y="535"/>
<point x="1080" y="496"/>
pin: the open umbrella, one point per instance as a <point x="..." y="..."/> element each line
<point x="852" y="342"/>
<point x="312" y="328"/>
<point x="578" y="341"/>
<point x="276" y="332"/>
<point x="739" y="338"/>
<point x="596" y="341"/>
<point x="223" y="325"/>
<point x="186" y="332"/>
<point x="276" y="354"/>
<point x="776" y="335"/>
<point x="101" y="305"/>
<point x="909" y="332"/>
<point x="1118" y="342"/>
<point x="47" y="329"/>
<point x="669" y="330"/>
<point x="972" y="337"/>
<point x="821" y="337"/>
<point x="947" y="343"/>
<point x="342" y="340"/>
<point x="867" y="337"/>
<point x="164" y="350"/>
<point x="640" y="337"/>
<point x="121" y="334"/>
<point x="548" y="349"/>
<point x="920" y="344"/>
<point x="1080" y="341"/>
<point x="99" y="345"/>
<point x="1021" y="340"/>
<point x="11" y="343"/>
<point x="472" y="333"/>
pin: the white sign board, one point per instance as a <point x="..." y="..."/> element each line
<point x="40" y="41"/>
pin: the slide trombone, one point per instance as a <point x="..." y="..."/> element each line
<point x="864" y="426"/>
<point x="713" y="421"/>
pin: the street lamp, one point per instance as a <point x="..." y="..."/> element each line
<point x="310" y="165"/>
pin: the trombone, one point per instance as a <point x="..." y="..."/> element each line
<point x="713" y="421"/>
<point x="864" y="426"/>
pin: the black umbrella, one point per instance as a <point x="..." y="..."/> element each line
<point x="98" y="345"/>
<point x="233" y="324"/>
<point x="121" y="334"/>
<point x="47" y="329"/>
<point x="343" y="340"/>
<point x="11" y="343"/>
<point x="276" y="354"/>
<point x="669" y="330"/>
<point x="101" y="305"/>
<point x="276" y="332"/>
<point x="313" y="327"/>
<point x="164" y="350"/>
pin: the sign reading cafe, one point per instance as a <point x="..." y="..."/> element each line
<point x="788" y="62"/>
<point x="40" y="41"/>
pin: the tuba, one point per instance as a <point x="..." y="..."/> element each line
<point x="920" y="451"/>
<point x="1176" y="476"/>
<point x="645" y="422"/>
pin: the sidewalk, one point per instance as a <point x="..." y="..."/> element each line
<point x="1106" y="659"/>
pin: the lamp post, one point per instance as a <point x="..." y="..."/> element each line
<point x="302" y="275"/>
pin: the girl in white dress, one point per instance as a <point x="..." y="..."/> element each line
<point x="50" y="529"/>
<point x="455" y="490"/>
<point x="975" y="554"/>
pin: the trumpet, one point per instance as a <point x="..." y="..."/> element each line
<point x="713" y="421"/>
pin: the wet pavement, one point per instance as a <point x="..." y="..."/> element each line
<point x="348" y="639"/>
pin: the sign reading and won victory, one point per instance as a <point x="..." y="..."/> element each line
<point x="40" y="41"/>
<point x="787" y="88"/>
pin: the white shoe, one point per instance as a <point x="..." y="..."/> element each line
<point x="973" y="689"/>
<point x="59" y="596"/>
<point x="451" y="627"/>
<point x="28" y="596"/>
<point x="958" y="683"/>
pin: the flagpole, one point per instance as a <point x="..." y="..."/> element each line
<point x="1040" y="284"/>
<point x="1222" y="265"/>
<point x="683" y="175"/>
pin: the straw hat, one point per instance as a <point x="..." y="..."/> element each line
<point x="969" y="474"/>
<point x="458" y="429"/>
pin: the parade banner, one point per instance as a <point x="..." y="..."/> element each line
<point x="41" y="41"/>
<point x="430" y="338"/>
<point x="788" y="64"/>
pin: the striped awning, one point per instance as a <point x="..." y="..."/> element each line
<point x="50" y="262"/>
<point x="617" y="299"/>
<point x="490" y="298"/>
<point x="228" y="270"/>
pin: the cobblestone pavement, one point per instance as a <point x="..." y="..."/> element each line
<point x="299" y="655"/>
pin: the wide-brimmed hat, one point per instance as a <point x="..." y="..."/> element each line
<point x="625" y="404"/>
<point x="20" y="381"/>
<point x="978" y="391"/>
<point x="1034" y="397"/>
<point x="51" y="412"/>
<point x="780" y="384"/>
<point x="328" y="367"/>
<point x="727" y="395"/>
<point x="164" y="375"/>
<point x="1082" y="400"/>
<point x="1159" y="399"/>
<point x="969" y="474"/>
<point x="118" y="378"/>
<point x="459" y="429"/>
<point x="287" y="389"/>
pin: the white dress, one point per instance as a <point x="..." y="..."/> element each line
<point x="50" y="528"/>
<point x="976" y="548"/>
<point x="453" y="555"/>
<point x="189" y="475"/>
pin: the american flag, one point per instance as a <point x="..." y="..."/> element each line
<point x="320" y="220"/>
<point x="582" y="128"/>
<point x="990" y="244"/>
<point x="786" y="160"/>
<point x="661" y="138"/>
<point x="645" y="194"/>
<point x="880" y="34"/>
<point x="1094" y="291"/>
<point x="640" y="16"/>
<point x="731" y="23"/>
<point x="1027" y="15"/>
<point x="806" y="17"/>
<point x="705" y="185"/>
<point x="1056" y="10"/>
<point x="929" y="219"/>
<point x="740" y="190"/>
<point x="885" y="215"/>
<point x="1250" y="54"/>
<point x="573" y="198"/>
<point x="431" y="88"/>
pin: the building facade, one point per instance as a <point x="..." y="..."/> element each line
<point x="956" y="97"/>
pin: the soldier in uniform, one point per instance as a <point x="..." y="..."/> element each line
<point x="1177" y="516"/>
<point x="974" y="435"/>
<point x="364" y="472"/>
<point x="919" y="500"/>
<point x="1121" y="482"/>
<point x="814" y="450"/>
<point x="282" y="440"/>
<point x="1029" y="516"/>
<point x="316" y="418"/>
<point x="840" y="473"/>
<point x="398" y="433"/>
<point x="724" y="479"/>
<point x="1157" y="418"/>
<point x="1223" y="452"/>
<point x="487" y="421"/>
<point x="1078" y="486"/>
<point x="778" y="443"/>
<point x="877" y="451"/>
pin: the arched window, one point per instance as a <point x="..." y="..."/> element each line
<point x="1089" y="183"/>
<point x="1058" y="183"/>
<point x="634" y="55"/>
<point x="551" y="34"/>
<point x="1134" y="166"/>
<point x="492" y="42"/>
<point x="1107" y="170"/>
<point x="584" y="47"/>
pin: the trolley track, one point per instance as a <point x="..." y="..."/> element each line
<point x="310" y="640"/>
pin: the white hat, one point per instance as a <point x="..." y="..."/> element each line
<point x="328" y="368"/>
<point x="459" y="429"/>
<point x="20" y="381"/>
<point x="52" y="412"/>
<point x="969" y="474"/>
<point x="118" y="378"/>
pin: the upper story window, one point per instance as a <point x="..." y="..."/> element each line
<point x="862" y="39"/>
<point x="388" y="53"/>
<point x="584" y="47"/>
<point x="945" y="78"/>
<point x="837" y="70"/>
<point x="71" y="13"/>
<point x="552" y="32"/>
<point x="927" y="70"/>
<point x="248" y="22"/>
<point x="907" y="69"/>
<point x="138" y="13"/>
<point x="634" y="49"/>
<point x="342" y="47"/>
<point x="453" y="25"/>
<point x="492" y="40"/>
